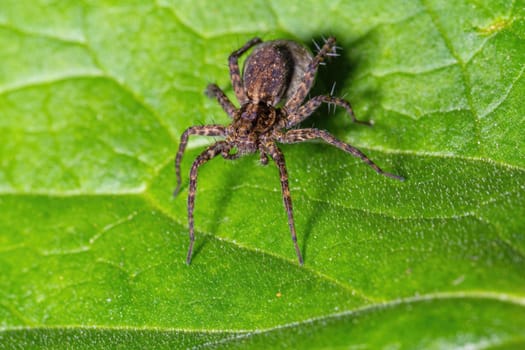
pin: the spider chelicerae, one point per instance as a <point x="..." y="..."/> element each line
<point x="279" y="70"/>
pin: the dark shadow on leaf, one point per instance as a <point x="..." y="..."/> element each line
<point x="234" y="176"/>
<point x="340" y="70"/>
<point x="200" y="242"/>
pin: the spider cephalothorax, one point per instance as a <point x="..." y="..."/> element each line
<point x="248" y="130"/>
<point x="276" y="71"/>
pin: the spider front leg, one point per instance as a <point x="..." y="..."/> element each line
<point x="309" y="107"/>
<point x="205" y="156"/>
<point x="300" y="135"/>
<point x="205" y="130"/>
<point x="278" y="158"/>
<point x="307" y="80"/>
<point x="235" y="74"/>
<point x="214" y="91"/>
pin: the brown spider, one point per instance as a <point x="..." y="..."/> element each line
<point x="275" y="70"/>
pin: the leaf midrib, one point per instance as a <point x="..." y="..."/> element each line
<point x="511" y="299"/>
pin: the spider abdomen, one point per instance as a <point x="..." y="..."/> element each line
<point x="267" y="73"/>
<point x="275" y="70"/>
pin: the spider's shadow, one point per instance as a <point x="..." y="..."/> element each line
<point x="340" y="70"/>
<point x="231" y="178"/>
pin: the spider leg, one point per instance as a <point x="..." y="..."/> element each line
<point x="307" y="80"/>
<point x="278" y="158"/>
<point x="264" y="158"/>
<point x="226" y="155"/>
<point x="204" y="130"/>
<point x="235" y="74"/>
<point x="309" y="107"/>
<point x="214" y="91"/>
<point x="299" y="135"/>
<point x="205" y="156"/>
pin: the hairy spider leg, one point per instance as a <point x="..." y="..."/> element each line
<point x="226" y="155"/>
<point x="235" y="74"/>
<point x="214" y="91"/>
<point x="203" y="130"/>
<point x="311" y="105"/>
<point x="278" y="158"/>
<point x="300" y="135"/>
<point x="209" y="153"/>
<point x="302" y="90"/>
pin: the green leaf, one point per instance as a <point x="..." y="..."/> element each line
<point x="94" y="97"/>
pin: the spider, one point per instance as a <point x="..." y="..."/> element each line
<point x="276" y="71"/>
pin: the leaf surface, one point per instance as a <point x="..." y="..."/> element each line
<point x="94" y="98"/>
